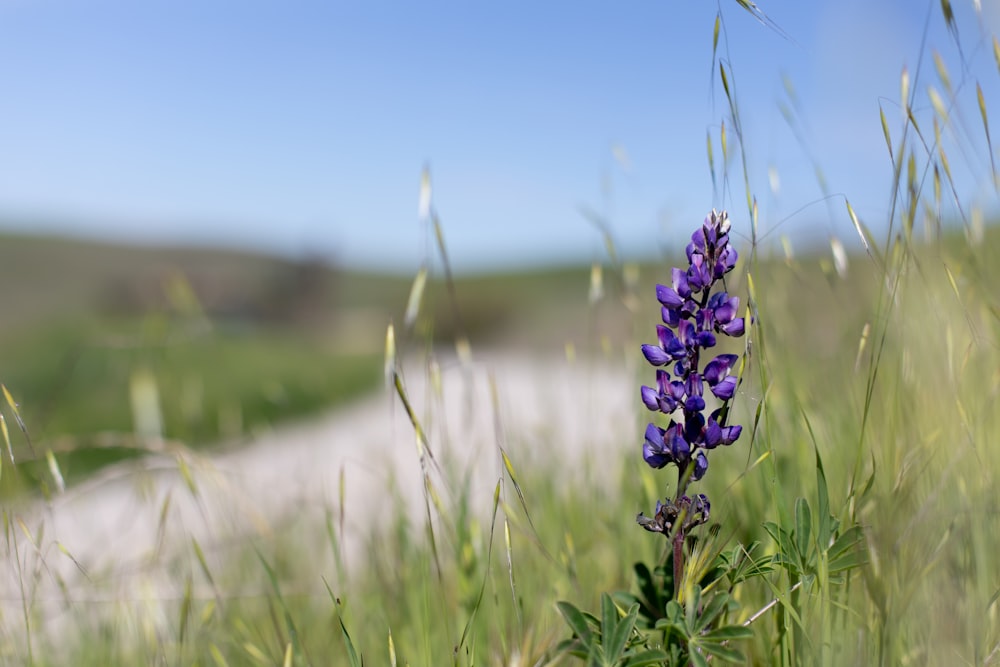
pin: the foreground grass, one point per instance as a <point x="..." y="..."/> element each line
<point x="904" y="428"/>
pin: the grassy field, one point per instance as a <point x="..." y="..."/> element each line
<point x="217" y="335"/>
<point x="889" y="375"/>
<point x="234" y="343"/>
<point x="866" y="396"/>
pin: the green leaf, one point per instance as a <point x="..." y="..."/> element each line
<point x="727" y="633"/>
<point x="846" y="546"/>
<point x="723" y="652"/>
<point x="651" y="657"/>
<point x="616" y="640"/>
<point x="803" y="527"/>
<point x="573" y="647"/>
<point x="847" y="562"/>
<point x="352" y="653"/>
<point x="576" y="621"/>
<point x="697" y="659"/>
<point x="787" y="556"/>
<point x="826" y="525"/>
<point x="691" y="607"/>
<point x="712" y="610"/>
<point x="609" y="616"/>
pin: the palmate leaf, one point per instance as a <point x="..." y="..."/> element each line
<point x="740" y="564"/>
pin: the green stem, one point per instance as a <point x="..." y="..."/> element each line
<point x="678" y="560"/>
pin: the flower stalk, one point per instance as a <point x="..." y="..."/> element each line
<point x="695" y="309"/>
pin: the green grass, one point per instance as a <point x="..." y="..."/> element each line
<point x="75" y="383"/>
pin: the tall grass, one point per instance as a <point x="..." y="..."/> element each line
<point x="886" y="373"/>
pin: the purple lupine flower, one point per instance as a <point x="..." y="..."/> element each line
<point x="666" y="396"/>
<point x="670" y="348"/>
<point x="693" y="314"/>
<point x="717" y="376"/>
<point x="654" y="450"/>
<point x="700" y="466"/>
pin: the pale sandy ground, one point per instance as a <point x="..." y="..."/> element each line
<point x="579" y="411"/>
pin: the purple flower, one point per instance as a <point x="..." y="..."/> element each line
<point x="654" y="450"/>
<point x="692" y="317"/>
<point x="693" y="388"/>
<point x="663" y="446"/>
<point x="700" y="466"/>
<point x="666" y="395"/>
<point x="717" y="376"/>
<point x="670" y="348"/>
<point x="723" y="309"/>
<point x="676" y="301"/>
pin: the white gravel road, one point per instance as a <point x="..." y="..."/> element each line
<point x="111" y="540"/>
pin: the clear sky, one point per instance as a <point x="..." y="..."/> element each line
<point x="302" y="127"/>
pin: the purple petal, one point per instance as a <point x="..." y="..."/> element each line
<point x="694" y="424"/>
<point x="698" y="237"/>
<point x="697" y="277"/>
<point x="726" y="310"/>
<point x="671" y="316"/>
<point x="655" y="355"/>
<point x="668" y="296"/>
<point x="662" y="381"/>
<point x="679" y="447"/>
<point x="669" y="342"/>
<point x="713" y="434"/>
<point x="694" y="404"/>
<point x="729" y="257"/>
<point x="719" y="367"/>
<point x="705" y="339"/>
<point x="705" y="319"/>
<point x="730" y="434"/>
<point x="653" y="451"/>
<point x="725" y="389"/>
<point x="734" y="328"/>
<point x="650" y="398"/>
<point x="677" y="389"/>
<point x="693" y="385"/>
<point x="689" y="308"/>
<point x="680" y="283"/>
<point x="700" y="466"/>
<point x="686" y="333"/>
<point x="655" y="460"/>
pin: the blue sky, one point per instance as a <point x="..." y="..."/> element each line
<point x="302" y="127"/>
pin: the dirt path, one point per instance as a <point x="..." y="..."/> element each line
<point x="126" y="528"/>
